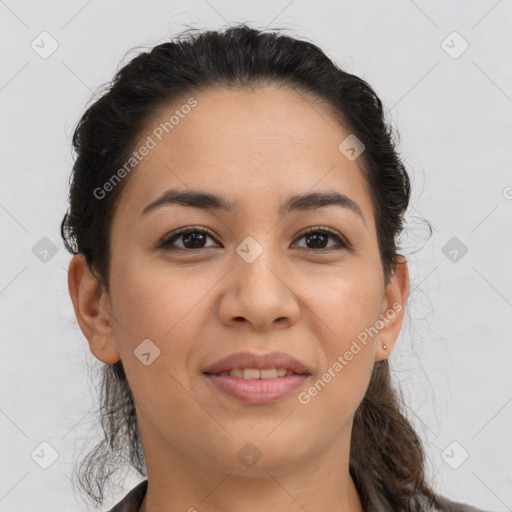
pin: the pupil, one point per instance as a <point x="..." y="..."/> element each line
<point x="195" y="238"/>
<point x="318" y="240"/>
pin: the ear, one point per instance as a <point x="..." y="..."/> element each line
<point x="92" y="309"/>
<point x="393" y="308"/>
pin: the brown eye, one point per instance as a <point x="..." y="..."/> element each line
<point x="318" y="239"/>
<point x="187" y="239"/>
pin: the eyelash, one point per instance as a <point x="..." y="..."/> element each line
<point x="167" y="243"/>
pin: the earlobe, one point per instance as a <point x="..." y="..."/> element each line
<point x="92" y="309"/>
<point x="393" y="308"/>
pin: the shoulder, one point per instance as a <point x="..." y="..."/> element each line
<point x="133" y="500"/>
<point x="446" y="505"/>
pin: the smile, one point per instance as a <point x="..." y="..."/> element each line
<point x="255" y="373"/>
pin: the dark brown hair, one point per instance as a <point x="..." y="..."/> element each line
<point x="387" y="459"/>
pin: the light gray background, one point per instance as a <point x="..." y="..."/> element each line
<point x="454" y="117"/>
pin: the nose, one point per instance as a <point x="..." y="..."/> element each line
<point x="259" y="294"/>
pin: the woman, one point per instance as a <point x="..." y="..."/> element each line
<point x="234" y="210"/>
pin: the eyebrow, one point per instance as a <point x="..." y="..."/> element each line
<point x="208" y="201"/>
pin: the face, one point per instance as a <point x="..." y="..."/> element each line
<point x="193" y="282"/>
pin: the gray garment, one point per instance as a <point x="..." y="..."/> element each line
<point x="133" y="500"/>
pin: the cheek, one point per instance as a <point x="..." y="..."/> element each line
<point x="344" y="312"/>
<point x="332" y="398"/>
<point x="346" y="304"/>
<point x="150" y="303"/>
<point x="169" y="310"/>
<point x="153" y="300"/>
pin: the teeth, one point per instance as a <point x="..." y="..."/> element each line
<point x="255" y="373"/>
<point x="251" y="373"/>
<point x="268" y="374"/>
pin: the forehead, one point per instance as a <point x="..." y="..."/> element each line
<point x="244" y="143"/>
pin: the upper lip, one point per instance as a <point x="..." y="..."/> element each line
<point x="259" y="361"/>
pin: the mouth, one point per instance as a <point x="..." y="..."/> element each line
<point x="256" y="373"/>
<point x="257" y="379"/>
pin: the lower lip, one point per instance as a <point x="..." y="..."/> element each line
<point x="257" y="391"/>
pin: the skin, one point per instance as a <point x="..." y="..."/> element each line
<point x="257" y="147"/>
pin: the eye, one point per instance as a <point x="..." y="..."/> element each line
<point x="190" y="238"/>
<point x="318" y="239"/>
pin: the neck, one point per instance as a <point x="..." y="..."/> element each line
<point x="177" y="483"/>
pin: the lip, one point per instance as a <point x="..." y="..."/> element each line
<point x="257" y="391"/>
<point x="259" y="361"/>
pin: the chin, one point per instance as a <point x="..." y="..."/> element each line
<point x="257" y="456"/>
